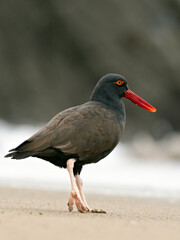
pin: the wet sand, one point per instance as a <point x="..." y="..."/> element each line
<point x="36" y="214"/>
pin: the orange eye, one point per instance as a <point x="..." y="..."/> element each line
<point x="119" y="82"/>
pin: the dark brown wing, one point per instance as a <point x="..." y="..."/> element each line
<point x="42" y="139"/>
<point x="88" y="131"/>
<point x="85" y="130"/>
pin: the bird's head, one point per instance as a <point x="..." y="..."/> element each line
<point x="116" y="86"/>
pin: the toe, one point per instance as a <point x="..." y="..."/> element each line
<point x="80" y="205"/>
<point x="70" y="203"/>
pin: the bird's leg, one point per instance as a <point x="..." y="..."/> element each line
<point x="75" y="195"/>
<point x="79" y="183"/>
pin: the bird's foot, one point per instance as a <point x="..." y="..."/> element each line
<point x="82" y="206"/>
<point x="75" y="196"/>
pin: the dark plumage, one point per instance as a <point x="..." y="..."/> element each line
<point x="88" y="132"/>
<point x="85" y="133"/>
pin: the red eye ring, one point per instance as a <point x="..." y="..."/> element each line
<point x="119" y="82"/>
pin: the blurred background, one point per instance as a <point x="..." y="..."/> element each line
<point x="52" y="53"/>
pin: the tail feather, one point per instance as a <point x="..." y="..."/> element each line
<point x="19" y="155"/>
<point x="19" y="152"/>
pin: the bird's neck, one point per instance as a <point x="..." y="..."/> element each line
<point x="114" y="103"/>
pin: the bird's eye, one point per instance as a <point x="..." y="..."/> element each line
<point x="119" y="82"/>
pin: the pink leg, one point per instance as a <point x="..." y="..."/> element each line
<point x="75" y="195"/>
<point x="79" y="183"/>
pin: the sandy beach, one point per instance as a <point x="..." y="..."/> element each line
<point x="36" y="214"/>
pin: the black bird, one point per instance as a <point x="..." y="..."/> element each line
<point x="83" y="134"/>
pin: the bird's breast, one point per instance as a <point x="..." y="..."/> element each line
<point x="98" y="135"/>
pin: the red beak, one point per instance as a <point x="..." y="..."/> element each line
<point x="139" y="101"/>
